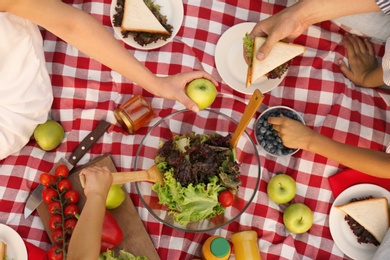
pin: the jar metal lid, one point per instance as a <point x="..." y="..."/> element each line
<point x="123" y="120"/>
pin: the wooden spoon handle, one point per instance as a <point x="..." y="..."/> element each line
<point x="250" y="110"/>
<point x="124" y="177"/>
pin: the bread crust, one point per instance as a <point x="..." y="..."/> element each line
<point x="3" y="250"/>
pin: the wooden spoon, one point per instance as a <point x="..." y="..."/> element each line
<point x="150" y="175"/>
<point x="250" y="110"/>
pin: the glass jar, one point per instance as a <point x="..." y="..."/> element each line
<point x="134" y="114"/>
<point x="216" y="248"/>
<point x="245" y="245"/>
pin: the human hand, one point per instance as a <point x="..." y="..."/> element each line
<point x="174" y="87"/>
<point x="361" y="58"/>
<point x="97" y="180"/>
<point x="287" y="24"/>
<point x="293" y="133"/>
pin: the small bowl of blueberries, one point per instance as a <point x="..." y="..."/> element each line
<point x="267" y="137"/>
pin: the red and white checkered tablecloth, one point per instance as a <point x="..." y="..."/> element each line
<point x="86" y="91"/>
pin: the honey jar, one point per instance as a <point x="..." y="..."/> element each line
<point x="134" y="114"/>
<point x="216" y="248"/>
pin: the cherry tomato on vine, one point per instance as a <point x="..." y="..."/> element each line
<point x="49" y="195"/>
<point x="47" y="179"/>
<point x="58" y="236"/>
<point x="55" y="253"/>
<point x="55" y="222"/>
<point x="72" y="196"/>
<point x="226" y="198"/>
<point x="54" y="207"/>
<point x="69" y="225"/>
<point x="64" y="185"/>
<point x="70" y="210"/>
<point x="62" y="171"/>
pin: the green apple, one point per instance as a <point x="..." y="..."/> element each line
<point x="115" y="197"/>
<point x="281" y="188"/>
<point x="298" y="218"/>
<point x="49" y="135"/>
<point x="202" y="92"/>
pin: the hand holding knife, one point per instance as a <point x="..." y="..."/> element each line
<point x="35" y="197"/>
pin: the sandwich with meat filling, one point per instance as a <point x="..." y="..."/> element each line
<point x="142" y="20"/>
<point x="368" y="218"/>
<point x="275" y="64"/>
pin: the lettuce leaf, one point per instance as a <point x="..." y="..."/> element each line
<point x="248" y="44"/>
<point x="192" y="203"/>
<point x="121" y="255"/>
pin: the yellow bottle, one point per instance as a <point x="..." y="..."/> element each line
<point x="245" y="245"/>
<point x="216" y="248"/>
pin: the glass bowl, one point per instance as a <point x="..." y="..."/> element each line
<point x="267" y="137"/>
<point x="204" y="122"/>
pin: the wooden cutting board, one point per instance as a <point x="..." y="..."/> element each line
<point x="135" y="238"/>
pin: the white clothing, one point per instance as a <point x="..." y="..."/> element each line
<point x="375" y="25"/>
<point x="25" y="88"/>
<point x="386" y="63"/>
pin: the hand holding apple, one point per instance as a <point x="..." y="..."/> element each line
<point x="202" y="91"/>
<point x="281" y="188"/>
<point x="298" y="218"/>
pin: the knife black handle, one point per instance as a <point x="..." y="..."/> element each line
<point x="88" y="141"/>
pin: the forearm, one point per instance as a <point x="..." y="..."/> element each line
<point x="86" y="238"/>
<point x="315" y="11"/>
<point x="98" y="43"/>
<point x="371" y="162"/>
<point x="86" y="34"/>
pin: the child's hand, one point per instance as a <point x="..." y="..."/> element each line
<point x="361" y="58"/>
<point x="98" y="180"/>
<point x="293" y="133"/>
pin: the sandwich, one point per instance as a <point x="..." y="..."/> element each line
<point x="275" y="64"/>
<point x="143" y="20"/>
<point x="3" y="250"/>
<point x="368" y="218"/>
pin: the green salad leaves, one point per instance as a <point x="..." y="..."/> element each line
<point x="197" y="168"/>
<point x="191" y="203"/>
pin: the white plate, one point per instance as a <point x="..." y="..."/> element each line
<point x="231" y="65"/>
<point x="16" y="249"/>
<point x="174" y="11"/>
<point x="339" y="229"/>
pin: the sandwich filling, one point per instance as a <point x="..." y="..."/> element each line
<point x="126" y="18"/>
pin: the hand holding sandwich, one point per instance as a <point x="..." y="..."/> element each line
<point x="295" y="19"/>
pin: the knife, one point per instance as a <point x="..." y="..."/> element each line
<point x="35" y="197"/>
